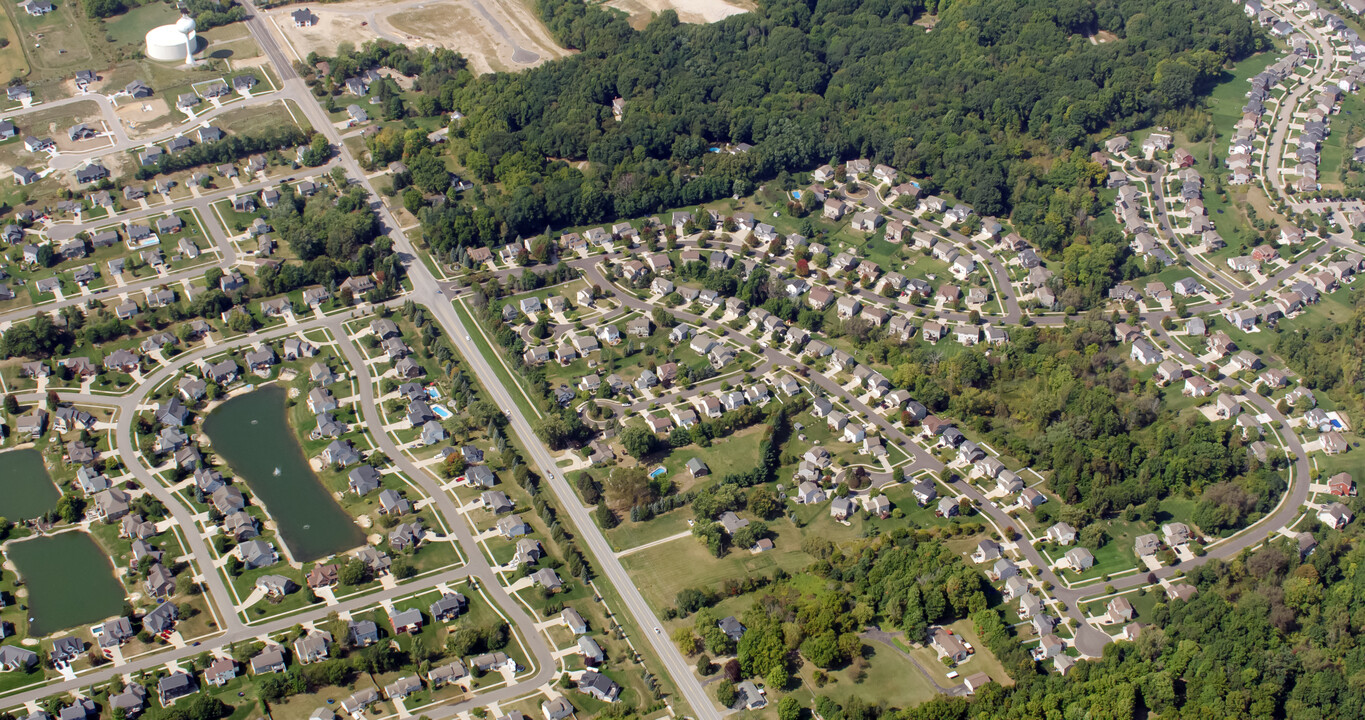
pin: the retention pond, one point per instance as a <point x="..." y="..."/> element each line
<point x="70" y="581"/>
<point x="251" y="432"/>
<point x="26" y="488"/>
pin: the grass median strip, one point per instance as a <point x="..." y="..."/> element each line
<point x="495" y="359"/>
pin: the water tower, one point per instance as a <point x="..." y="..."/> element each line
<point x="174" y="42"/>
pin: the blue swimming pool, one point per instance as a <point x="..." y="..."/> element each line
<point x="441" y="412"/>
<point x="796" y="194"/>
<point x="657" y="472"/>
<point x="433" y="392"/>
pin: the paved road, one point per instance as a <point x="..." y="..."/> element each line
<point x="606" y="561"/>
<point x="426" y="291"/>
<point x="454" y="520"/>
<point x="234" y="629"/>
<point x="227" y="254"/>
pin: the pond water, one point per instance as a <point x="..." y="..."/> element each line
<point x="70" y="581"/>
<point x="251" y="432"/>
<point x="26" y="489"/>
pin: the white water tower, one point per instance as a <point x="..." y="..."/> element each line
<point x="173" y="42"/>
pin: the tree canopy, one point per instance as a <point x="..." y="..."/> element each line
<point x="970" y="107"/>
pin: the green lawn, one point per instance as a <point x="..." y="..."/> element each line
<point x="514" y="388"/>
<point x="661" y="571"/>
<point x="892" y="679"/>
<point x="634" y="534"/>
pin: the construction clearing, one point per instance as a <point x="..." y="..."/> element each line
<point x="689" y="11"/>
<point x="493" y="35"/>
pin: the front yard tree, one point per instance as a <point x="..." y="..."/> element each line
<point x="352" y="573"/>
<point x="778" y="677"/>
<point x="605" y="517"/>
<point x="725" y="693"/>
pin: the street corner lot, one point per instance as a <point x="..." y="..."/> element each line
<point x="53" y="123"/>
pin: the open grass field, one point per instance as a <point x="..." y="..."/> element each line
<point x="51" y="48"/>
<point x="485" y="347"/>
<point x="1226" y="100"/>
<point x="248" y="120"/>
<point x="13" y="63"/>
<point x="1336" y="147"/>
<point x="891" y="679"/>
<point x="54" y="121"/>
<point x="58" y="43"/>
<point x="661" y="571"/>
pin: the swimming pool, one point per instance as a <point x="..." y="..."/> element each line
<point x="796" y="194"/>
<point x="657" y="472"/>
<point x="441" y="412"/>
<point x="433" y="392"/>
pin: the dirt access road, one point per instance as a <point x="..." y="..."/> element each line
<point x="494" y="35"/>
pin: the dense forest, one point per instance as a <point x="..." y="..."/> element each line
<point x="981" y="108"/>
<point x="970" y="107"/>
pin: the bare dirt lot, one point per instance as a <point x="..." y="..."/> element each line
<point x="332" y="29"/>
<point x="690" y="11"/>
<point x="145" y="117"/>
<point x="492" y="34"/>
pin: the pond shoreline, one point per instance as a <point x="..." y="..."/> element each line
<point x="252" y="434"/>
<point x="73" y="591"/>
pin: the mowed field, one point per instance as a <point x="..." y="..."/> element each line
<point x="494" y="35"/>
<point x="13" y="64"/>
